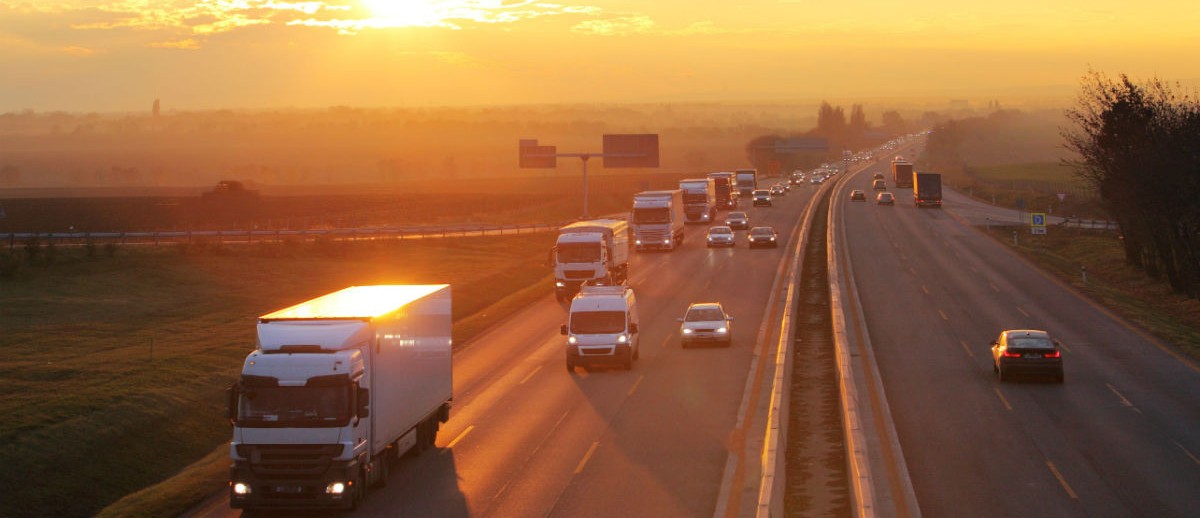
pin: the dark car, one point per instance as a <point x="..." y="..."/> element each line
<point x="877" y="176"/>
<point x="762" y="236"/>
<point x="858" y="195"/>
<point x="737" y="220"/>
<point x="762" y="197"/>
<point x="778" y="190"/>
<point x="885" y="198"/>
<point x="1026" y="351"/>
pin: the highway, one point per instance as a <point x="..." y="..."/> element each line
<point x="1121" y="437"/>
<point x="527" y="438"/>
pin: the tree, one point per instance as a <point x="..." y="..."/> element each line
<point x="1139" y="146"/>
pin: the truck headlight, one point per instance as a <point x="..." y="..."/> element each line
<point x="687" y="331"/>
<point x="667" y="241"/>
<point x="560" y="284"/>
<point x="572" y="340"/>
<point x="637" y="241"/>
<point x="335" y="488"/>
<point x="241" y="488"/>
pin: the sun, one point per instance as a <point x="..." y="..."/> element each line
<point x="410" y="13"/>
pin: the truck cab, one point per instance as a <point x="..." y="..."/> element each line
<point x="602" y="328"/>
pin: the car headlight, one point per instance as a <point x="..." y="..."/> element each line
<point x="722" y="330"/>
<point x="622" y="339"/>
<point x="686" y="331"/>
<point x="241" y="488"/>
<point x="335" y="488"/>
<point x="572" y="340"/>
<point x="560" y="284"/>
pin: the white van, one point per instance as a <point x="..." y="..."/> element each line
<point x="602" y="327"/>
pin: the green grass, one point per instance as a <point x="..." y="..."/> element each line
<point x="1038" y="172"/>
<point x="113" y="369"/>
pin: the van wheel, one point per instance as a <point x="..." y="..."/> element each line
<point x="570" y="367"/>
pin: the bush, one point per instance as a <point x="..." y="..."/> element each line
<point x="10" y="265"/>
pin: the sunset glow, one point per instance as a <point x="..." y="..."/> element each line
<point x="196" y="53"/>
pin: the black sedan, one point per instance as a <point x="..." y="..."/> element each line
<point x="762" y="236"/>
<point x="1026" y="351"/>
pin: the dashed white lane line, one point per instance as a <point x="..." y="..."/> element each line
<point x="1063" y="481"/>
<point x="635" y="384"/>
<point x="459" y="438"/>
<point x="530" y="375"/>
<point x="1002" y="398"/>
<point x="583" y="462"/>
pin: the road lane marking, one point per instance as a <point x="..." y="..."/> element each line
<point x="1124" y="402"/>
<point x="1188" y="453"/>
<point x="994" y="288"/>
<point x="924" y="289"/>
<point x="459" y="438"/>
<point x="912" y="270"/>
<point x="1002" y="398"/>
<point x="1063" y="481"/>
<point x="530" y="375"/>
<point x="943" y="314"/>
<point x="635" y="384"/>
<point x="1064" y="346"/>
<point x="965" y="348"/>
<point x="583" y="462"/>
<point x="1022" y="311"/>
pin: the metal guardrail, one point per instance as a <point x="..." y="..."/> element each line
<point x="14" y="239"/>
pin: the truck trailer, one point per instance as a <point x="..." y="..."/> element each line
<point x="927" y="189"/>
<point x="590" y="250"/>
<point x="657" y="220"/>
<point x="337" y="389"/>
<point x="902" y="173"/>
<point x="727" y="191"/>
<point x="699" y="200"/>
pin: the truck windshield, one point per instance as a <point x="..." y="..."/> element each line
<point x="695" y="197"/>
<point x="655" y="215"/>
<point x="597" y="322"/>
<point x="578" y="252"/>
<point x="301" y="407"/>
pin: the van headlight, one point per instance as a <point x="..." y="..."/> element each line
<point x="572" y="340"/>
<point x="622" y="339"/>
<point x="722" y="330"/>
<point x="667" y="241"/>
<point x="560" y="284"/>
<point x="637" y="241"/>
<point x="686" y="331"/>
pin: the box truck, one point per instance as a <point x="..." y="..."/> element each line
<point x="699" y="200"/>
<point x="339" y="387"/>
<point x="727" y="191"/>
<point x="927" y="189"/>
<point x="902" y="173"/>
<point x="590" y="250"/>
<point x="657" y="220"/>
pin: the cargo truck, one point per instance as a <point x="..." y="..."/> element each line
<point x="593" y="250"/>
<point x="747" y="181"/>
<point x="699" y="200"/>
<point x="902" y="173"/>
<point x="727" y="191"/>
<point x="927" y="189"/>
<point x="338" y="388"/>
<point x="657" y="220"/>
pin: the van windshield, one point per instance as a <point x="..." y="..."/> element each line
<point x="597" y="322"/>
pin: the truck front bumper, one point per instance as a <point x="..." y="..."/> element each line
<point x="332" y="488"/>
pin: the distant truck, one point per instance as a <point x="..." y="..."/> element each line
<point x="338" y="388"/>
<point x="902" y="173"/>
<point x="699" y="200"/>
<point x="602" y="328"/>
<point x="727" y="190"/>
<point x="657" y="220"/>
<point x="747" y="181"/>
<point x="927" y="189"/>
<point x="594" y="250"/>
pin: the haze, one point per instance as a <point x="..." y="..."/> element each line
<point x="97" y="55"/>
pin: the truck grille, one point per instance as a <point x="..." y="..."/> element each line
<point x="289" y="460"/>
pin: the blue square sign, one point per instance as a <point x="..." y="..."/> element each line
<point x="1037" y="219"/>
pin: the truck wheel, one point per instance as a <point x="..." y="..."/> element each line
<point x="384" y="465"/>
<point x="360" y="491"/>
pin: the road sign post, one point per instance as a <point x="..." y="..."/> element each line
<point x="620" y="150"/>
<point x="1037" y="223"/>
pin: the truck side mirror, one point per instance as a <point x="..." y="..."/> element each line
<point x="364" y="402"/>
<point x="633" y="327"/>
<point x="562" y="330"/>
<point x="231" y="398"/>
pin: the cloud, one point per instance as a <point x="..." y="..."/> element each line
<point x="187" y="44"/>
<point x="76" y="50"/>
<point x="616" y="26"/>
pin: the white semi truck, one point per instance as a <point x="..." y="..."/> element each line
<point x="657" y="220"/>
<point x="338" y="388"/>
<point x="699" y="199"/>
<point x="593" y="250"/>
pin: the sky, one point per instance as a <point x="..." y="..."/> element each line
<point x="121" y="55"/>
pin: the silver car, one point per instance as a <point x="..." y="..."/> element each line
<point x="720" y="236"/>
<point x="705" y="322"/>
<point x="737" y="219"/>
